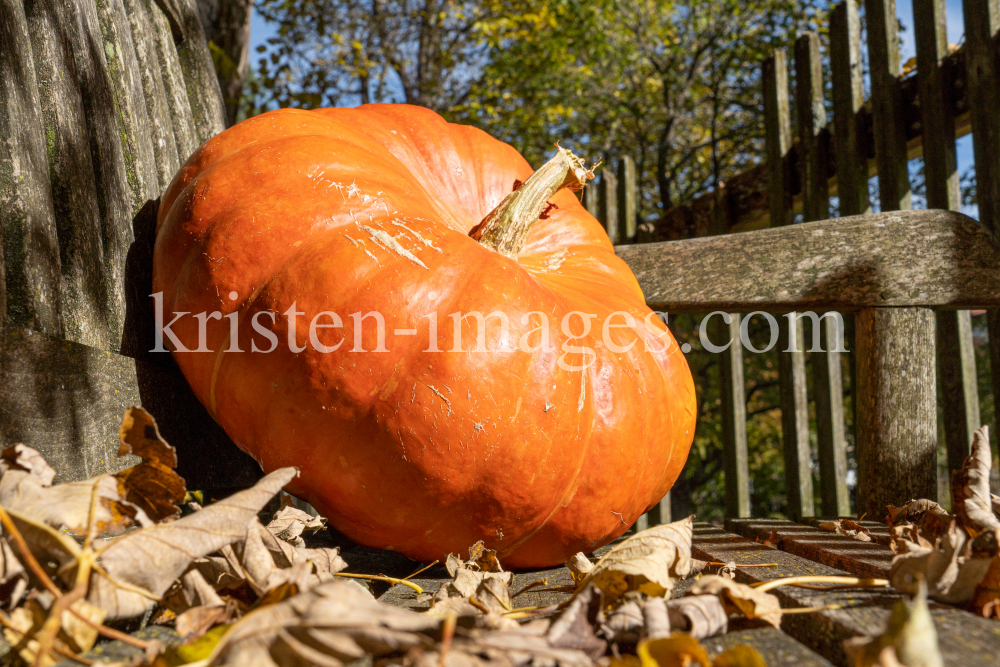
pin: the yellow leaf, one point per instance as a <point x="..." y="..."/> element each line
<point x="677" y="650"/>
<point x="739" y="656"/>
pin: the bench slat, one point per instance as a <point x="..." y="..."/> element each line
<point x="904" y="258"/>
<point x="202" y="84"/>
<point x="172" y="76"/>
<point x="67" y="76"/>
<point x="775" y="647"/>
<point x="862" y="559"/>
<point x="965" y="640"/>
<point x="29" y="289"/>
<point x="161" y="127"/>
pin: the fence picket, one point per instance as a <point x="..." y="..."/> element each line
<point x="627" y="200"/>
<point x="609" y="204"/>
<point x="896" y="413"/>
<point x="791" y="365"/>
<point x="982" y="21"/>
<point x="956" y="355"/>
<point x="827" y="381"/>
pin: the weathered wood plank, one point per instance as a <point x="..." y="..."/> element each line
<point x="67" y="401"/>
<point x="888" y="116"/>
<point x="775" y="647"/>
<point x="828" y="388"/>
<point x="628" y="199"/>
<point x="778" y="136"/>
<point x="930" y="258"/>
<point x="591" y="199"/>
<point x="849" y="116"/>
<point x="161" y="127"/>
<point x="172" y="76"/>
<point x="55" y="27"/>
<point x="115" y="196"/>
<point x="732" y="391"/>
<point x="827" y="382"/>
<point x="609" y="205"/>
<point x="896" y="412"/>
<point x="791" y="361"/>
<point x="982" y="21"/>
<point x="959" y="385"/>
<point x="130" y="108"/>
<point x="30" y="245"/>
<point x="795" y="422"/>
<point x="862" y="559"/>
<point x="956" y="356"/>
<point x="202" y="84"/>
<point x="964" y="639"/>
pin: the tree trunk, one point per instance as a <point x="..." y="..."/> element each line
<point x="227" y="27"/>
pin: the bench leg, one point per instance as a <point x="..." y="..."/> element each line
<point x="896" y="420"/>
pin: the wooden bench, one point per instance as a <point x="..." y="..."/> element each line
<point x="100" y="102"/>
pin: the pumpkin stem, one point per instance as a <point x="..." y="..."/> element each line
<point x="506" y="228"/>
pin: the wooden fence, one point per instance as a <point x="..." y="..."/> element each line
<point x="951" y="93"/>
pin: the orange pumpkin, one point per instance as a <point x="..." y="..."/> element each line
<point x="422" y="451"/>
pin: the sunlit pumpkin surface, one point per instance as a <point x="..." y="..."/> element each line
<point x="424" y="452"/>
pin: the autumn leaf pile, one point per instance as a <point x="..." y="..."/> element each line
<point x="956" y="554"/>
<point x="77" y="558"/>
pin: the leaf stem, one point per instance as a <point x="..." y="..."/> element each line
<point x="822" y="579"/>
<point x="29" y="557"/>
<point x="539" y="582"/>
<point x="381" y="577"/>
<point x="424" y="568"/>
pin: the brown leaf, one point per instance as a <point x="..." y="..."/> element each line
<point x="910" y="639"/>
<point x="335" y="623"/>
<point x="21" y="457"/>
<point x="650" y="562"/>
<point x="196" y="621"/>
<point x="848" y="528"/>
<point x="574" y="629"/>
<point x="912" y="512"/>
<point x="986" y="600"/>
<point x="524" y="646"/>
<point x="952" y="568"/>
<point x="139" y="567"/>
<point x="579" y="567"/>
<point x="970" y="487"/>
<point x="772" y="541"/>
<point x="740" y="598"/>
<point x="28" y="494"/>
<point x="152" y="485"/>
<point x="11" y="570"/>
<point x="290" y="522"/>
<point x="701" y="616"/>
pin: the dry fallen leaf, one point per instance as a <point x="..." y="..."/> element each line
<point x="290" y="522"/>
<point x="701" y="616"/>
<point x="650" y="562"/>
<point x="970" y="487"/>
<point x="739" y="597"/>
<point x="952" y="568"/>
<point x="910" y="639"/>
<point x="335" y="623"/>
<point x="912" y="512"/>
<point x="579" y="567"/>
<point x="11" y="569"/>
<point x="138" y="568"/>
<point x="847" y="527"/>
<point x="151" y="485"/>
<point x="574" y="629"/>
<point x="986" y="600"/>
